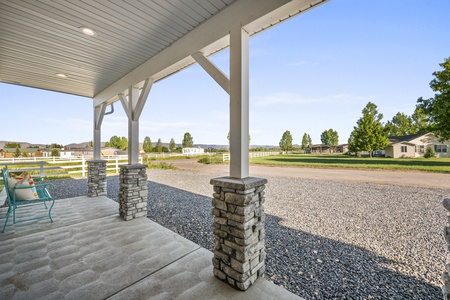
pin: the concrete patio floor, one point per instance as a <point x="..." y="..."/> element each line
<point x="89" y="252"/>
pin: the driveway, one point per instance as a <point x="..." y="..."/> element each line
<point x="402" y="178"/>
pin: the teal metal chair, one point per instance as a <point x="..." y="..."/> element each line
<point x="13" y="204"/>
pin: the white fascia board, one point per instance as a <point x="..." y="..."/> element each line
<point x="208" y="38"/>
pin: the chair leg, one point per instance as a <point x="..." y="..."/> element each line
<point x="50" y="210"/>
<point x="7" y="217"/>
<point x="14" y="213"/>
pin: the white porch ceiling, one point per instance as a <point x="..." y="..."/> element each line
<point x="136" y="39"/>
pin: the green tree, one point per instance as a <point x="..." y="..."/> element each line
<point x="286" y="141"/>
<point x="90" y="144"/>
<point x="437" y="108"/>
<point x="159" y="146"/>
<point x="188" y="141"/>
<point x="305" y="141"/>
<point x="147" y="146"/>
<point x="107" y="144"/>
<point x="369" y="134"/>
<point x="114" y="142"/>
<point x="401" y="124"/>
<point x="419" y="121"/>
<point x="24" y="154"/>
<point x="123" y="145"/>
<point x="330" y="138"/>
<point x="12" y="145"/>
<point x="354" y="145"/>
<point x="55" y="152"/>
<point x="172" y="145"/>
<point x="54" y="145"/>
<point x="17" y="151"/>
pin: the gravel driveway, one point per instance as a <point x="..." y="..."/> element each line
<point x="324" y="239"/>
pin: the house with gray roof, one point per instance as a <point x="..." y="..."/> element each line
<point x="414" y="145"/>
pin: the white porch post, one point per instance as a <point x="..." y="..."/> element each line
<point x="133" y="108"/>
<point x="133" y="127"/>
<point x="133" y="176"/>
<point x="239" y="103"/>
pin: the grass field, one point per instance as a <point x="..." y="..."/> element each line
<point x="440" y="165"/>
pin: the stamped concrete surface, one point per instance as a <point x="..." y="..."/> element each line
<point x="89" y="252"/>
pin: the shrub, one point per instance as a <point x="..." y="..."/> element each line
<point x="429" y="153"/>
<point x="162" y="165"/>
<point x="204" y="160"/>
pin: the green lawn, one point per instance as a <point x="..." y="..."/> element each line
<point x="440" y="165"/>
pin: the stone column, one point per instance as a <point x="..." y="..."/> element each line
<point x="239" y="251"/>
<point x="96" y="178"/>
<point x="445" y="275"/>
<point x="133" y="191"/>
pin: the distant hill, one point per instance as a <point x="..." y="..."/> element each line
<point x="83" y="145"/>
<point x="22" y="144"/>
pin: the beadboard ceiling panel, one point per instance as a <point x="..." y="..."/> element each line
<point x="42" y="38"/>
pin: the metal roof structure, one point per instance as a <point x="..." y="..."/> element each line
<point x="42" y="44"/>
<point x="114" y="50"/>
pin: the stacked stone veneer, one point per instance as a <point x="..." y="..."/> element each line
<point x="239" y="251"/>
<point x="133" y="191"/>
<point x="445" y="275"/>
<point x="96" y="178"/>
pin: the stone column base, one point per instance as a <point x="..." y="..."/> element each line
<point x="239" y="250"/>
<point x="96" y="178"/>
<point x="445" y="275"/>
<point x="133" y="191"/>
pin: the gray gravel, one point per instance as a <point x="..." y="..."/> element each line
<point x="324" y="239"/>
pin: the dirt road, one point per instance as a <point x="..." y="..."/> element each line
<point x="418" y="179"/>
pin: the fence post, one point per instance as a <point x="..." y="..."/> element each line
<point x="83" y="171"/>
<point x="117" y="164"/>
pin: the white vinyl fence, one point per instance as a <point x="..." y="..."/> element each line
<point x="226" y="156"/>
<point x="76" y="166"/>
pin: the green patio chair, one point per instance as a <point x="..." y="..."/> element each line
<point x="42" y="196"/>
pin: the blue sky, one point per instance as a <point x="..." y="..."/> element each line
<point x="314" y="72"/>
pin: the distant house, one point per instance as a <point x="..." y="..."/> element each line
<point x="414" y="145"/>
<point x="193" y="151"/>
<point x="321" y="148"/>
<point x="342" y="148"/>
<point x="30" y="152"/>
<point x="62" y="153"/>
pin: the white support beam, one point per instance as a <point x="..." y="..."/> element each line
<point x="99" y="113"/>
<point x="124" y="102"/>
<point x="142" y="98"/>
<point x="239" y="103"/>
<point x="133" y="127"/>
<point x="133" y="107"/>
<point x="209" y="37"/>
<point x="213" y="71"/>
